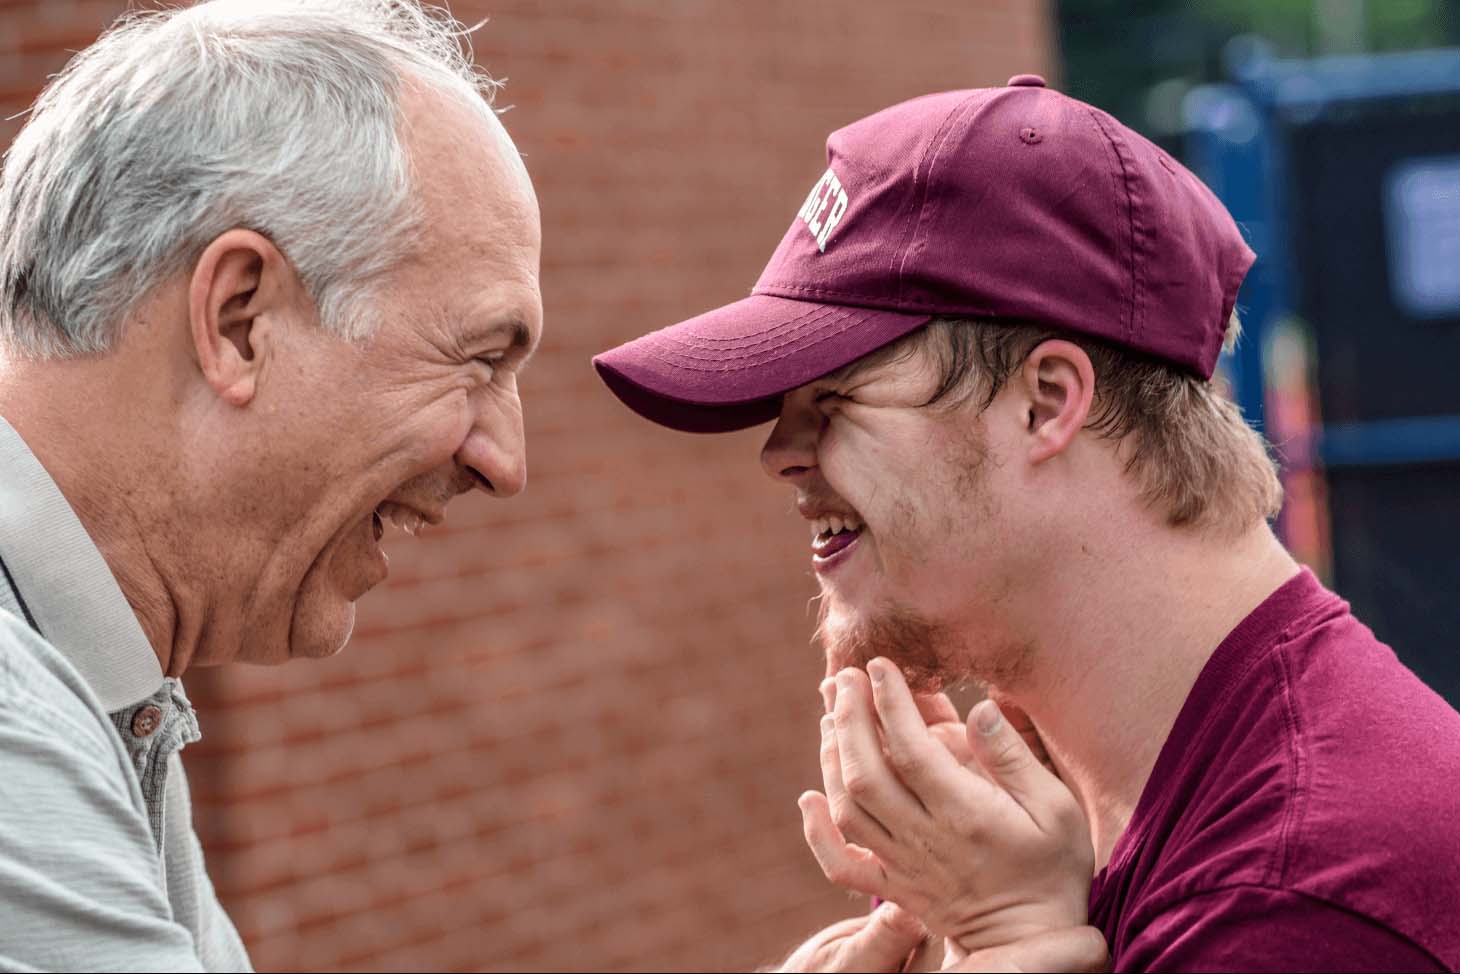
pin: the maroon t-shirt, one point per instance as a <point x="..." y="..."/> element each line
<point x="1304" y="814"/>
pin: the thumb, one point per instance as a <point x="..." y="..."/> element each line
<point x="1074" y="949"/>
<point x="1004" y="754"/>
<point x="884" y="943"/>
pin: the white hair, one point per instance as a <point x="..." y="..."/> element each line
<point x="281" y="116"/>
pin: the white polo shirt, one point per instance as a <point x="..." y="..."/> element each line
<point x="100" y="869"/>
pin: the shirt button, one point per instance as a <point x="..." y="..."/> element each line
<point x="146" y="720"/>
<point x="1026" y="81"/>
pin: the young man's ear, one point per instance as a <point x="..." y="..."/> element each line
<point x="1059" y="383"/>
<point x="240" y="289"/>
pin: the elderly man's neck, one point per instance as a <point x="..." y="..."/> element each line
<point x="118" y="468"/>
<point x="1112" y="668"/>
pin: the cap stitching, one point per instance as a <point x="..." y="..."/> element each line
<point x="827" y="330"/>
<point x="921" y="180"/>
<point x="1124" y="179"/>
<point x="816" y="313"/>
<point x="919" y="306"/>
<point x="728" y="361"/>
<point x="940" y="139"/>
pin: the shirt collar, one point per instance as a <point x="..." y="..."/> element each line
<point x="66" y="583"/>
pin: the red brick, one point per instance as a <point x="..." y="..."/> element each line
<point x="565" y="735"/>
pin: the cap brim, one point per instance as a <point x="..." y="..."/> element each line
<point x="727" y="369"/>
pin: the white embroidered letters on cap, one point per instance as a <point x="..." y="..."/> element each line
<point x="827" y="192"/>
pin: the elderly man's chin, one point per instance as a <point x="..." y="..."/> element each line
<point x="324" y="610"/>
<point x="322" y="631"/>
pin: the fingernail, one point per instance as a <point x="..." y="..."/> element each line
<point x="988" y="718"/>
<point x="844" y="680"/>
<point x="827" y="723"/>
<point x="874" y="670"/>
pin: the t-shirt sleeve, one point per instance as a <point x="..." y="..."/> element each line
<point x="1253" y="928"/>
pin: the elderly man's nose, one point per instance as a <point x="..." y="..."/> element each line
<point x="494" y="456"/>
<point x="500" y="473"/>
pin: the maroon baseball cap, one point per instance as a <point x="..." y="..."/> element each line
<point x="1018" y="204"/>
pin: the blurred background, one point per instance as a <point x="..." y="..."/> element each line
<point x="570" y="731"/>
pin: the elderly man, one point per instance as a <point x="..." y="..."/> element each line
<point x="267" y="274"/>
<point x="987" y="342"/>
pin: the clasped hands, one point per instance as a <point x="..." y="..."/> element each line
<point x="963" y="830"/>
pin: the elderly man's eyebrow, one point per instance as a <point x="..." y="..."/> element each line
<point x="521" y="336"/>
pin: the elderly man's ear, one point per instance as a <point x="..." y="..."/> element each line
<point x="241" y="293"/>
<point x="1058" y="383"/>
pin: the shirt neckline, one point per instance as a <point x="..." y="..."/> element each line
<point x="66" y="583"/>
<point x="1228" y="663"/>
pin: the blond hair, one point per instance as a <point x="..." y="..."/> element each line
<point x="1183" y="440"/>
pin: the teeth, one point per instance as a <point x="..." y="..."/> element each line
<point x="834" y="524"/>
<point x="402" y="517"/>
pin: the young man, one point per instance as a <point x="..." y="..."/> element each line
<point x="987" y="341"/>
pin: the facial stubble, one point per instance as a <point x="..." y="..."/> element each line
<point x="932" y="656"/>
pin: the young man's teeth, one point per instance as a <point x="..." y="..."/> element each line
<point x="834" y="524"/>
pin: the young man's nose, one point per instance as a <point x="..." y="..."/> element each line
<point x="789" y="453"/>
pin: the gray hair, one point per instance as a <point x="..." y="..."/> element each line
<point x="176" y="126"/>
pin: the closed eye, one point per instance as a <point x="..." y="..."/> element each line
<point x="491" y="360"/>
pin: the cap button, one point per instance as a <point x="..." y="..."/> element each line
<point x="1026" y="81"/>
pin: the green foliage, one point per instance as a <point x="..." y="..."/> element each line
<point x="1115" y="52"/>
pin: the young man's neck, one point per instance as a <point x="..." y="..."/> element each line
<point x="1108" y="679"/>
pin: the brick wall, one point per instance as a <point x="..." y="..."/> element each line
<point x="570" y="730"/>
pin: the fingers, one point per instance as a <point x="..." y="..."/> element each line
<point x="885" y="942"/>
<point x="864" y="772"/>
<point x="932" y="774"/>
<point x="954" y="737"/>
<point x="846" y="811"/>
<point x="936" y="708"/>
<point x="1005" y="755"/>
<point x="815" y="953"/>
<point x="846" y="865"/>
<point x="1022" y="723"/>
<point x="1079" y="949"/>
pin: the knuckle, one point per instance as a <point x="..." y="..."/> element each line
<point x="836" y="872"/>
<point x="1009" y="755"/>
<point x="844" y="817"/>
<point x="860" y="786"/>
<point x="908" y="760"/>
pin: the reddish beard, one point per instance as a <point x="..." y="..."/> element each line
<point x="932" y="657"/>
<point x="922" y="650"/>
